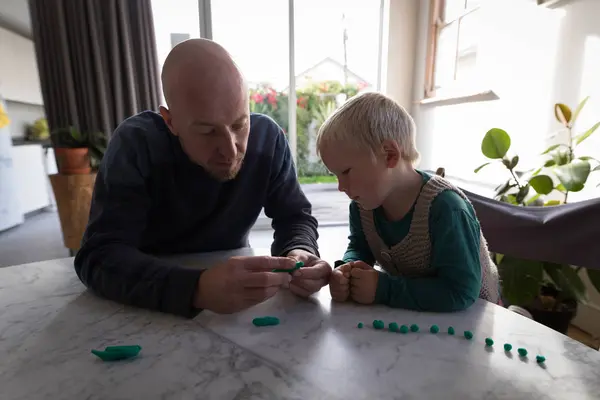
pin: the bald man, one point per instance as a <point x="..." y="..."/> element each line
<point x="194" y="178"/>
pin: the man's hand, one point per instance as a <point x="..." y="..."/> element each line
<point x="363" y="282"/>
<point x="339" y="282"/>
<point x="310" y="278"/>
<point x="240" y="283"/>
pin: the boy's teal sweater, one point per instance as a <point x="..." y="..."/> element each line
<point x="454" y="233"/>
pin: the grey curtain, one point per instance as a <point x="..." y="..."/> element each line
<point x="97" y="61"/>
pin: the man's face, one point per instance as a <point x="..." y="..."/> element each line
<point x="213" y="128"/>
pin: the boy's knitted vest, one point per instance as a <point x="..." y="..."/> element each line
<point x="410" y="257"/>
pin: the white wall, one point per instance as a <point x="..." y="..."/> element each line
<point x="19" y="79"/>
<point x="532" y="57"/>
<point x="401" y="47"/>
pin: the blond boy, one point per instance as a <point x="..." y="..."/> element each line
<point x="418" y="227"/>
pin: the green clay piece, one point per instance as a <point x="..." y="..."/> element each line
<point x="540" y="359"/>
<point x="393" y="326"/>
<point x="404" y="329"/>
<point x="265" y="321"/>
<point x="360" y="325"/>
<point x="489" y="342"/>
<point x="115" y="353"/>
<point x="469" y="335"/>
<point x="434" y="329"/>
<point x="378" y="324"/>
<point x="450" y="331"/>
<point x="507" y="347"/>
<point x="522" y="352"/>
<point x="298" y="265"/>
<point x="414" y="328"/>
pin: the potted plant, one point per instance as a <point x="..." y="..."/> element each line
<point x="549" y="291"/>
<point x="77" y="152"/>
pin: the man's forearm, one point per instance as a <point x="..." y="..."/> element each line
<point x="299" y="233"/>
<point x="126" y="275"/>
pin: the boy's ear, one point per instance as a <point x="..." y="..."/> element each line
<point x="392" y="153"/>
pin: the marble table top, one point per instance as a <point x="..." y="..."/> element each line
<point x="49" y="323"/>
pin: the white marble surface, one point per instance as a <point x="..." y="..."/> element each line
<point x="49" y="323"/>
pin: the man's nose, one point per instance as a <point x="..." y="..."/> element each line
<point x="227" y="147"/>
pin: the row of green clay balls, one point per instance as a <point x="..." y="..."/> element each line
<point x="393" y="327"/>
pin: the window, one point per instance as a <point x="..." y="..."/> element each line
<point x="302" y="59"/>
<point x="453" y="41"/>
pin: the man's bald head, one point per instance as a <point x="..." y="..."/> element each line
<point x="198" y="64"/>
<point x="207" y="105"/>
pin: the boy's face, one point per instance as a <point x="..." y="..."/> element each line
<point x="364" y="178"/>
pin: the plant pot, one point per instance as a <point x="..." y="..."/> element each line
<point x="73" y="195"/>
<point x="559" y="317"/>
<point x="73" y="161"/>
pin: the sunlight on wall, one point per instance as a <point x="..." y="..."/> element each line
<point x="518" y="63"/>
<point x="590" y="86"/>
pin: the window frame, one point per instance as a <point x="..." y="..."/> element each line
<point x="436" y="23"/>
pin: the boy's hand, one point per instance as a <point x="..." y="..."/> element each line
<point x="339" y="282"/>
<point x="363" y="282"/>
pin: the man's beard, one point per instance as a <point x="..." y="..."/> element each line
<point x="224" y="176"/>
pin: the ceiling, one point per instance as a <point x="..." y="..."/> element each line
<point x="14" y="16"/>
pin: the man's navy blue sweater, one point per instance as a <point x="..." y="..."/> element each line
<point x="150" y="199"/>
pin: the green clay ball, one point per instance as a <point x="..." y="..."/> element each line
<point x="469" y="335"/>
<point x="434" y="329"/>
<point x="265" y="321"/>
<point x="378" y="324"/>
<point x="522" y="352"/>
<point x="360" y="325"/>
<point x="540" y="359"/>
<point x="507" y="347"/>
<point x="451" y="331"/>
<point x="489" y="342"/>
<point x="393" y="326"/>
<point x="414" y="328"/>
<point x="404" y="329"/>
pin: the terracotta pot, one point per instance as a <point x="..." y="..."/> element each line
<point x="73" y="161"/>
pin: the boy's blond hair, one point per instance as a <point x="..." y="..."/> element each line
<point x="368" y="119"/>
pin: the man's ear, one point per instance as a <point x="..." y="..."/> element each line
<point x="392" y="153"/>
<point x="166" y="114"/>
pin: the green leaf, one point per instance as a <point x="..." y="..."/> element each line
<point x="563" y="113"/>
<point x="566" y="280"/>
<point x="495" y="144"/>
<point x="578" y="110"/>
<point x="511" y="199"/>
<point x="521" y="279"/>
<point x="514" y="162"/>
<point x="499" y="258"/>
<point x="561" y="157"/>
<point x="586" y="134"/>
<point x="480" y="167"/>
<point x="573" y="175"/>
<point x="502" y="189"/>
<point x="549" y="163"/>
<point x="552" y="203"/>
<point x="523" y="192"/>
<point x="594" y="276"/>
<point x="542" y="184"/>
<point x="534" y="199"/>
<point x="553" y="147"/>
<point x="537" y="171"/>
<point x="561" y="188"/>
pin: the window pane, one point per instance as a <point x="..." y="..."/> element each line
<point x="445" y="55"/>
<point x="173" y="25"/>
<point x="337" y="47"/>
<point x="453" y="9"/>
<point x="256" y="35"/>
<point x="467" y="46"/>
